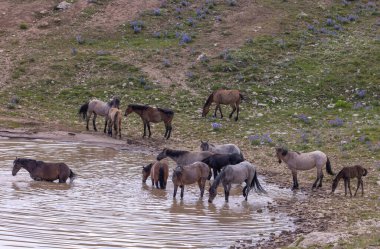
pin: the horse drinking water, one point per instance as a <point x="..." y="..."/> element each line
<point x="350" y="172"/>
<point x="236" y="174"/>
<point x="150" y="114"/>
<point x="223" y="97"/>
<point x="189" y="174"/>
<point x="158" y="171"/>
<point x="304" y="161"/>
<point x="97" y="107"/>
<point x="41" y="171"/>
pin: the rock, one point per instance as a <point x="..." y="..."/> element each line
<point x="43" y="25"/>
<point x="63" y="5"/>
<point x="57" y="20"/>
<point x="320" y="239"/>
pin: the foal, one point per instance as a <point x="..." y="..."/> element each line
<point x="350" y="172"/>
<point x="114" y="119"/>
<point x="159" y="173"/>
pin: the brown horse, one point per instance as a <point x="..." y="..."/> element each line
<point x="189" y="174"/>
<point x="159" y="173"/>
<point x="350" y="172"/>
<point x="97" y="107"/>
<point x="41" y="171"/>
<point x="224" y="97"/>
<point x="150" y="114"/>
<point x="114" y="119"/>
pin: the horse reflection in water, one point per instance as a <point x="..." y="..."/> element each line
<point x="41" y="171"/>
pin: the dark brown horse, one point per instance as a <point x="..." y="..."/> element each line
<point x="151" y="114"/>
<point x="159" y="173"/>
<point x="350" y="172"/>
<point x="223" y="97"/>
<point x="114" y="120"/>
<point x="97" y="107"/>
<point x="41" y="171"/>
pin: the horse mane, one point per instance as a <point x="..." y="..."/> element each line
<point x="166" y="111"/>
<point x="114" y="102"/>
<point x="209" y="100"/>
<point x="25" y="160"/>
<point x="139" y="107"/>
<point x="176" y="152"/>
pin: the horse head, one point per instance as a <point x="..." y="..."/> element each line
<point x="212" y="194"/>
<point x="128" y="111"/>
<point x="146" y="171"/>
<point x="280" y="153"/>
<point x="16" y="166"/>
<point x="162" y="155"/>
<point x="205" y="110"/>
<point x="204" y="146"/>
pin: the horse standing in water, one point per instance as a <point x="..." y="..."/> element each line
<point x="224" y="97"/>
<point x="41" y="171"/>
<point x="350" y="172"/>
<point x="150" y="114"/>
<point x="304" y="161"/>
<point x="217" y="161"/>
<point x="189" y="174"/>
<point x="159" y="173"/>
<point x="182" y="157"/>
<point x="236" y="174"/>
<point x="114" y="120"/>
<point x="97" y="107"/>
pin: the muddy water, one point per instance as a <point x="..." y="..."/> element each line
<point x="107" y="206"/>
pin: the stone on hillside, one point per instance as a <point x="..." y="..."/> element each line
<point x="43" y="25"/>
<point x="320" y="239"/>
<point x="63" y="5"/>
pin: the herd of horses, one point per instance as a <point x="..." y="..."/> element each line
<point x="226" y="162"/>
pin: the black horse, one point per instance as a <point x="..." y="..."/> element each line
<point x="217" y="161"/>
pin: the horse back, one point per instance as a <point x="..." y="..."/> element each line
<point x="227" y="97"/>
<point x="99" y="107"/>
<point x="51" y="171"/>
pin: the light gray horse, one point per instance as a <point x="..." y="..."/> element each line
<point x="189" y="174"/>
<point x="238" y="173"/>
<point x="304" y="161"/>
<point x="220" y="149"/>
<point x="97" y="107"/>
<point x="182" y="157"/>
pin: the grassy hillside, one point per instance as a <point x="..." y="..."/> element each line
<point x="309" y="72"/>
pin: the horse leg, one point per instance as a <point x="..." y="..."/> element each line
<point x="216" y="109"/>
<point x="94" y="121"/>
<point x="170" y="131"/>
<point x="144" y="130"/>
<point x="105" y="123"/>
<point x="225" y="192"/>
<point x="175" y="190"/>
<point x="237" y="112"/>
<point x="361" y="181"/>
<point x="220" y="110"/>
<point x="215" y="172"/>
<point x="88" y="119"/>
<point x="319" y="172"/>
<point x="157" y="184"/>
<point x="209" y="174"/>
<point x="233" y="110"/>
<point x="166" y="131"/>
<point x="320" y="180"/>
<point x="247" y="191"/>
<point x="201" y="187"/>
<point x="357" y="187"/>
<point x="148" y="124"/>
<point x="345" y="187"/>
<point x="349" y="187"/>
<point x="182" y="190"/>
<point x="295" y="181"/>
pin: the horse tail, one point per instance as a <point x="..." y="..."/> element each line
<point x="256" y="184"/>
<point x="83" y="110"/>
<point x="72" y="176"/>
<point x="209" y="100"/>
<point x="161" y="174"/>
<point x="365" y="172"/>
<point x="328" y="167"/>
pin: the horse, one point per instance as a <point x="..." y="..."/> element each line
<point x="189" y="174"/>
<point x="159" y="173"/>
<point x="182" y="157"/>
<point x="220" y="149"/>
<point x="41" y="171"/>
<point x="218" y="161"/>
<point x="238" y="173"/>
<point x="350" y="172"/>
<point x="151" y="114"/>
<point x="304" y="161"/>
<point x="97" y="107"/>
<point x="224" y="97"/>
<point x="114" y="120"/>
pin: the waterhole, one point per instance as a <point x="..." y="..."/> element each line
<point x="108" y="206"/>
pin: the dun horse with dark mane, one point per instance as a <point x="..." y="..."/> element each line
<point x="350" y="172"/>
<point x="114" y="120"/>
<point x="223" y="97"/>
<point x="41" y="171"/>
<point x="150" y="114"/>
<point x="97" y="107"/>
